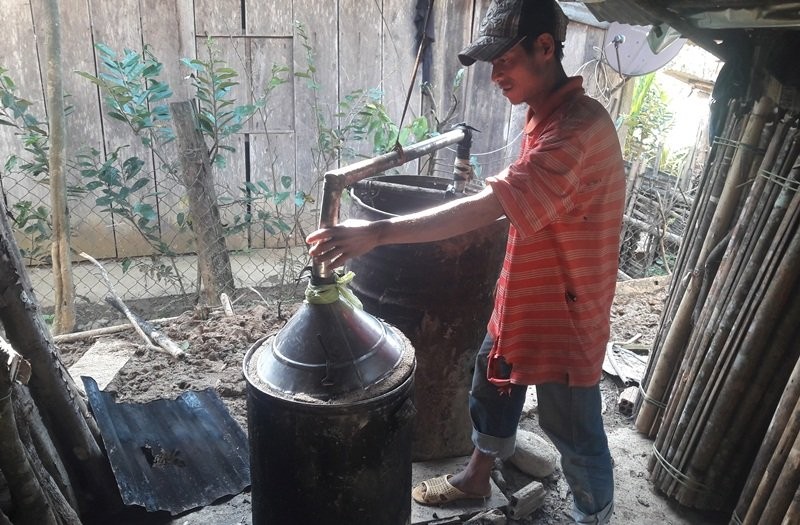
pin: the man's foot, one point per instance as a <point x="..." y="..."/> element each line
<point x="437" y="491"/>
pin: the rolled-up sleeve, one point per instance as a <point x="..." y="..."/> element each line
<point x="543" y="183"/>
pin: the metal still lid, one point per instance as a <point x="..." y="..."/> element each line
<point x="327" y="350"/>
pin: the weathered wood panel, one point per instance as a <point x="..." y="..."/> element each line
<point x="453" y="31"/>
<point x="399" y="57"/>
<point x="399" y="48"/>
<point x="168" y="29"/>
<point x="117" y="24"/>
<point x="359" y="51"/>
<point x="278" y="114"/>
<point x="268" y="18"/>
<point x="488" y="110"/>
<point x="355" y="45"/>
<point x="18" y="54"/>
<point x="230" y="181"/>
<point x="218" y="17"/>
<point x="311" y="100"/>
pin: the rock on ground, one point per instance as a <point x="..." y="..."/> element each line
<point x="534" y="455"/>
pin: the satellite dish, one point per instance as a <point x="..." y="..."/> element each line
<point x="635" y="55"/>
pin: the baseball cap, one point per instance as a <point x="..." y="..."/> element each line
<point x="507" y="22"/>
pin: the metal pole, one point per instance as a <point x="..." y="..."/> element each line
<point x="337" y="180"/>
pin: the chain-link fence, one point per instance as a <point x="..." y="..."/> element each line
<point x="260" y="260"/>
<point x="656" y="215"/>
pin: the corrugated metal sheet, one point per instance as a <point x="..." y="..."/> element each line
<point x="172" y="455"/>
<point x="722" y="27"/>
<point x="639" y="13"/>
<point x="623" y="11"/>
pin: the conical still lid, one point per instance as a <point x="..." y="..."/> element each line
<point x="326" y="350"/>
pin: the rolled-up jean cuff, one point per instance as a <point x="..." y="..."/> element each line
<point x="598" y="518"/>
<point x="501" y="448"/>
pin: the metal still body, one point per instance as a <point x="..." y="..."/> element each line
<point x="440" y="295"/>
<point x="329" y="417"/>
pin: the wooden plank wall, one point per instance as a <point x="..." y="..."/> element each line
<point x="356" y="45"/>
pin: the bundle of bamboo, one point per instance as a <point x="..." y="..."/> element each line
<point x="772" y="489"/>
<point x="729" y="330"/>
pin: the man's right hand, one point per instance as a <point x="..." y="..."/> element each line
<point x="337" y="244"/>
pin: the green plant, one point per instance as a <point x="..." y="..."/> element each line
<point x="441" y="123"/>
<point x="259" y="196"/>
<point x="119" y="182"/>
<point x="34" y="223"/>
<point x="134" y="95"/>
<point x="366" y="120"/>
<point x="218" y="113"/>
<point x="648" y="121"/>
<point x="15" y="113"/>
<point x="444" y="122"/>
<point x="360" y="117"/>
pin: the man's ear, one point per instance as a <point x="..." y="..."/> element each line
<point x="547" y="44"/>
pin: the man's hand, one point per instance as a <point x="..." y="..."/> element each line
<point x="333" y="246"/>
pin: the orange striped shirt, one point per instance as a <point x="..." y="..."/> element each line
<point x="564" y="197"/>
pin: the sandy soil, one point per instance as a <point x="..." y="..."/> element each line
<point x="217" y="344"/>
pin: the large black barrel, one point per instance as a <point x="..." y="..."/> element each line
<point x="439" y="294"/>
<point x="329" y="411"/>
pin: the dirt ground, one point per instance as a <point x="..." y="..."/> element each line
<point x="215" y="350"/>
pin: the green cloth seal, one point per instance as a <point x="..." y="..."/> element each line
<point x="330" y="293"/>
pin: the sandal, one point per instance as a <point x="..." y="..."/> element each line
<point x="436" y="491"/>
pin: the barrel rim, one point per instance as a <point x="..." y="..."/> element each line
<point x="282" y="398"/>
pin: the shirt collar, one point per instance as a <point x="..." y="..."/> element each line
<point x="572" y="88"/>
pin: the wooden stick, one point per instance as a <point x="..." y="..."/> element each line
<point x="711" y="373"/>
<point x="106" y="330"/>
<point x="226" y="304"/>
<point x="163" y="342"/>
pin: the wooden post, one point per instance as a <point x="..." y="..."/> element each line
<point x="64" y="288"/>
<point x="212" y="253"/>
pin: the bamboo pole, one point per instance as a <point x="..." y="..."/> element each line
<point x="698" y="444"/>
<point x="739" y="287"/>
<point x="779" y="281"/>
<point x="792" y="516"/>
<point x="681" y="331"/>
<point x="757" y="318"/>
<point x="666" y="360"/>
<point x="746" y="433"/>
<point x="786" y="485"/>
<point x="711" y="373"/>
<point x="741" y="166"/>
<point x="678" y="286"/>
<point x="753" y="299"/>
<point x="786" y="419"/>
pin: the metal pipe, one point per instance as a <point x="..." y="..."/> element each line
<point x="337" y="180"/>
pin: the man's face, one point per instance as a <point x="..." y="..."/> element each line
<point x="519" y="73"/>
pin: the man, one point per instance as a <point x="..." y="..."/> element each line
<point x="564" y="198"/>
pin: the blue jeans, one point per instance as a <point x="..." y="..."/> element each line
<point x="572" y="419"/>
